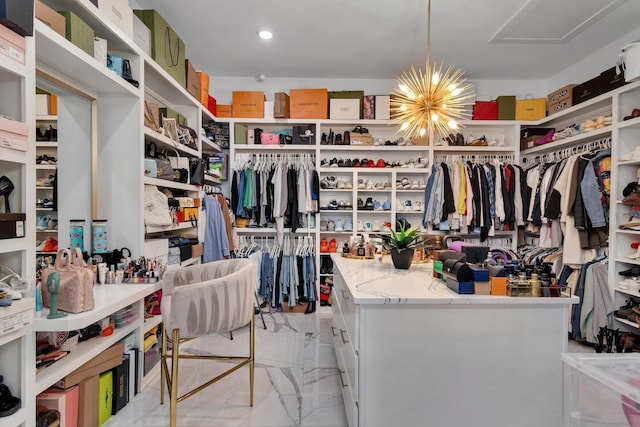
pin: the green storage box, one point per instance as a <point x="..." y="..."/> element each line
<point x="349" y="94"/>
<point x="78" y="32"/>
<point x="240" y="134"/>
<point x="105" y="397"/>
<point x="171" y="114"/>
<point x="167" y="49"/>
<point x="506" y="107"/>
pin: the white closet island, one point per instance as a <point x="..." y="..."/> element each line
<point x="411" y="352"/>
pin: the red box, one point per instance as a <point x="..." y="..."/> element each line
<point x="485" y="110"/>
<point x="212" y="105"/>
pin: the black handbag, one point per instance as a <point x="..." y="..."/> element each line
<point x="257" y="136"/>
<point x="285" y="139"/>
<point x="303" y="134"/>
<point x="187" y="136"/>
<point x="197" y="171"/>
<point x="181" y="175"/>
<point x="163" y="165"/>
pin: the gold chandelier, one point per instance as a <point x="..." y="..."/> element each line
<point x="430" y="101"/>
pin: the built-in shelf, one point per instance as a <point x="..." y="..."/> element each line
<point x="151" y="322"/>
<point x="47" y="144"/>
<point x="180" y="226"/>
<point x="163" y="142"/>
<point x="573" y="140"/>
<point x="13" y="245"/>
<point x="627" y="322"/>
<point x="47" y="118"/>
<point x="46" y="167"/>
<point x="170" y="184"/>
<point x="273" y="148"/>
<point x="209" y="146"/>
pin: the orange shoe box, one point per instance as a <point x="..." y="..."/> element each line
<point x="309" y="103"/>
<point x="498" y="285"/>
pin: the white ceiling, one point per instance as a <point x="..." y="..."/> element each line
<point x="382" y="38"/>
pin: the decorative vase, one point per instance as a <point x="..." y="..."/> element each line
<point x="402" y="259"/>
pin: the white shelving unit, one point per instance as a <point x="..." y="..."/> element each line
<point x="17" y="83"/>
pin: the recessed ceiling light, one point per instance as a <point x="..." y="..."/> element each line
<point x="265" y="34"/>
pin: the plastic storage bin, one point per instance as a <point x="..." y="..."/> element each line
<point x="601" y="389"/>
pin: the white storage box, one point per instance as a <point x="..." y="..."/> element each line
<point x="118" y="12"/>
<point x="383" y="108"/>
<point x="100" y="50"/>
<point x="141" y="35"/>
<point x="601" y="389"/>
<point x="346" y="109"/>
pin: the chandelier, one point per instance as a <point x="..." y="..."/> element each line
<point x="430" y="101"/>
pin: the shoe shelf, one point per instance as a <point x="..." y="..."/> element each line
<point x="628" y="261"/>
<point x="571" y="141"/>
<point x="414" y="190"/>
<point x="629" y="162"/>
<point x="47" y="231"/>
<point x="44" y="187"/>
<point x="628" y="232"/>
<point x="58" y="56"/>
<point x="45" y="253"/>
<point x="212" y="179"/>
<point x="627" y="292"/>
<point x="210" y="146"/>
<point x="400" y="170"/>
<point x="473" y="149"/>
<point x="166" y="142"/>
<point x="47" y="118"/>
<point x="627" y="322"/>
<point x="270" y="230"/>
<point x="629" y="123"/>
<point x="44" y="209"/>
<point x="13" y="156"/>
<point x="339" y="190"/>
<point x="17" y="419"/>
<point x="13" y="245"/>
<point x="241" y="148"/>
<point x="47" y="144"/>
<point x="46" y="167"/>
<point x="376" y="148"/>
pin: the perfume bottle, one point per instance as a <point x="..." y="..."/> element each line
<point x="536" y="284"/>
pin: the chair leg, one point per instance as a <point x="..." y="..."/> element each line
<point x="163" y="353"/>
<point x="231" y="335"/>
<point x="264" y="325"/>
<point x="175" y="353"/>
<point x="252" y="333"/>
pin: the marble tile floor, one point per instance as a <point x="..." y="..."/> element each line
<point x="296" y="380"/>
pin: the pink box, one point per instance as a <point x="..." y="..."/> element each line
<point x="71" y="397"/>
<point x="11" y="44"/>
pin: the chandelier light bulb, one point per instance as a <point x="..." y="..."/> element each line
<point x="452" y="87"/>
<point x="456" y="92"/>
<point x="403" y="107"/>
<point x="404" y="88"/>
<point x="404" y="126"/>
<point x="411" y="95"/>
<point x="435" y="79"/>
<point x="434" y="117"/>
<point x="422" y="131"/>
<point x="452" y="124"/>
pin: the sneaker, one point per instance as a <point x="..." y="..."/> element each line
<point x="323" y="225"/>
<point x="361" y="184"/>
<point x="331" y="225"/>
<point x="348" y="225"/>
<point x="415" y="185"/>
<point x="324" y="245"/>
<point x="339" y="225"/>
<point x="375" y="226"/>
<point x="418" y="206"/>
<point x="386" y="205"/>
<point x="370" y="185"/>
<point x="40" y="245"/>
<point x="360" y="204"/>
<point x="360" y="226"/>
<point x="42" y="222"/>
<point x="51" y="245"/>
<point x="400" y="205"/>
<point x="333" y="205"/>
<point x="341" y="185"/>
<point x="367" y="226"/>
<point x="377" y="206"/>
<point x="368" y="205"/>
<point x="53" y="224"/>
<point x="46" y="203"/>
<point x="407" y="205"/>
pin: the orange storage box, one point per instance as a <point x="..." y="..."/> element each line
<point x="204" y="87"/>
<point x="224" y="110"/>
<point x="248" y="104"/>
<point x="498" y="285"/>
<point x="309" y="103"/>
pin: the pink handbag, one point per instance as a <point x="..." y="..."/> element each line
<point x="76" y="283"/>
<point x="267" y="138"/>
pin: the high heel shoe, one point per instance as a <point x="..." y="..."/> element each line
<point x="636" y="254"/>
<point x="6" y="187"/>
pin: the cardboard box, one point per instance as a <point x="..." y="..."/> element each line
<point x="248" y="104"/>
<point x="167" y="48"/>
<point x="106" y="360"/>
<point x="88" y="402"/>
<point x="485" y="110"/>
<point x="347" y="109"/>
<point x="196" y="250"/>
<point x="193" y="79"/>
<point x="506" y="107"/>
<point x="141" y="35"/>
<point x="11" y="44"/>
<point x="224" y="110"/>
<point x="498" y="285"/>
<point x="212" y="105"/>
<point x="12" y="225"/>
<point x="268" y="109"/>
<point x="482" y="288"/>
<point x="558" y="106"/>
<point x="105" y="396"/>
<point x="71" y="401"/>
<point x="281" y="105"/>
<point x="565" y="93"/>
<point x="361" y="139"/>
<point x="53" y="104"/>
<point x="609" y="80"/>
<point x="118" y="12"/>
<point x="17" y="15"/>
<point x="50" y="18"/>
<point x="204" y="89"/>
<point x="420" y="141"/>
<point x="531" y="109"/>
<point x="383" y="107"/>
<point x="309" y="103"/>
<point x="78" y="32"/>
<point x="100" y="50"/>
<point x="350" y="94"/>
<point x="57" y="401"/>
<point x="171" y="114"/>
<point x="585" y="91"/>
<point x="42" y="104"/>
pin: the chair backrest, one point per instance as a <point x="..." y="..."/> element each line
<point x="210" y="298"/>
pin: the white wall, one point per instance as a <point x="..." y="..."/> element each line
<point x="592" y="65"/>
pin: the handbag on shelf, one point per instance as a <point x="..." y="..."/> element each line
<point x="152" y="116"/>
<point x="156" y="208"/>
<point x="187" y="136"/>
<point x="303" y="134"/>
<point x="197" y="171"/>
<point x="75" y="293"/>
<point x="268" y="138"/>
<point x="164" y="170"/>
<point x="177" y="162"/>
<point x="181" y="175"/>
<point x="285" y="139"/>
<point x="629" y="61"/>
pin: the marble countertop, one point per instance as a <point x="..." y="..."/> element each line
<point x="372" y="282"/>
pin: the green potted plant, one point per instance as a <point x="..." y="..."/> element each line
<point x="402" y="244"/>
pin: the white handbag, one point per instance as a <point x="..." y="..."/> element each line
<point x="629" y="61"/>
<point x="156" y="208"/>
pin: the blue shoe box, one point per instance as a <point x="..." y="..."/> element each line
<point x="479" y="274"/>
<point x="464" y="288"/>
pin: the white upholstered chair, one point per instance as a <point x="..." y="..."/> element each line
<point x="200" y="300"/>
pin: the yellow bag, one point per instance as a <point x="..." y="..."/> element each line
<point x="531" y="108"/>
